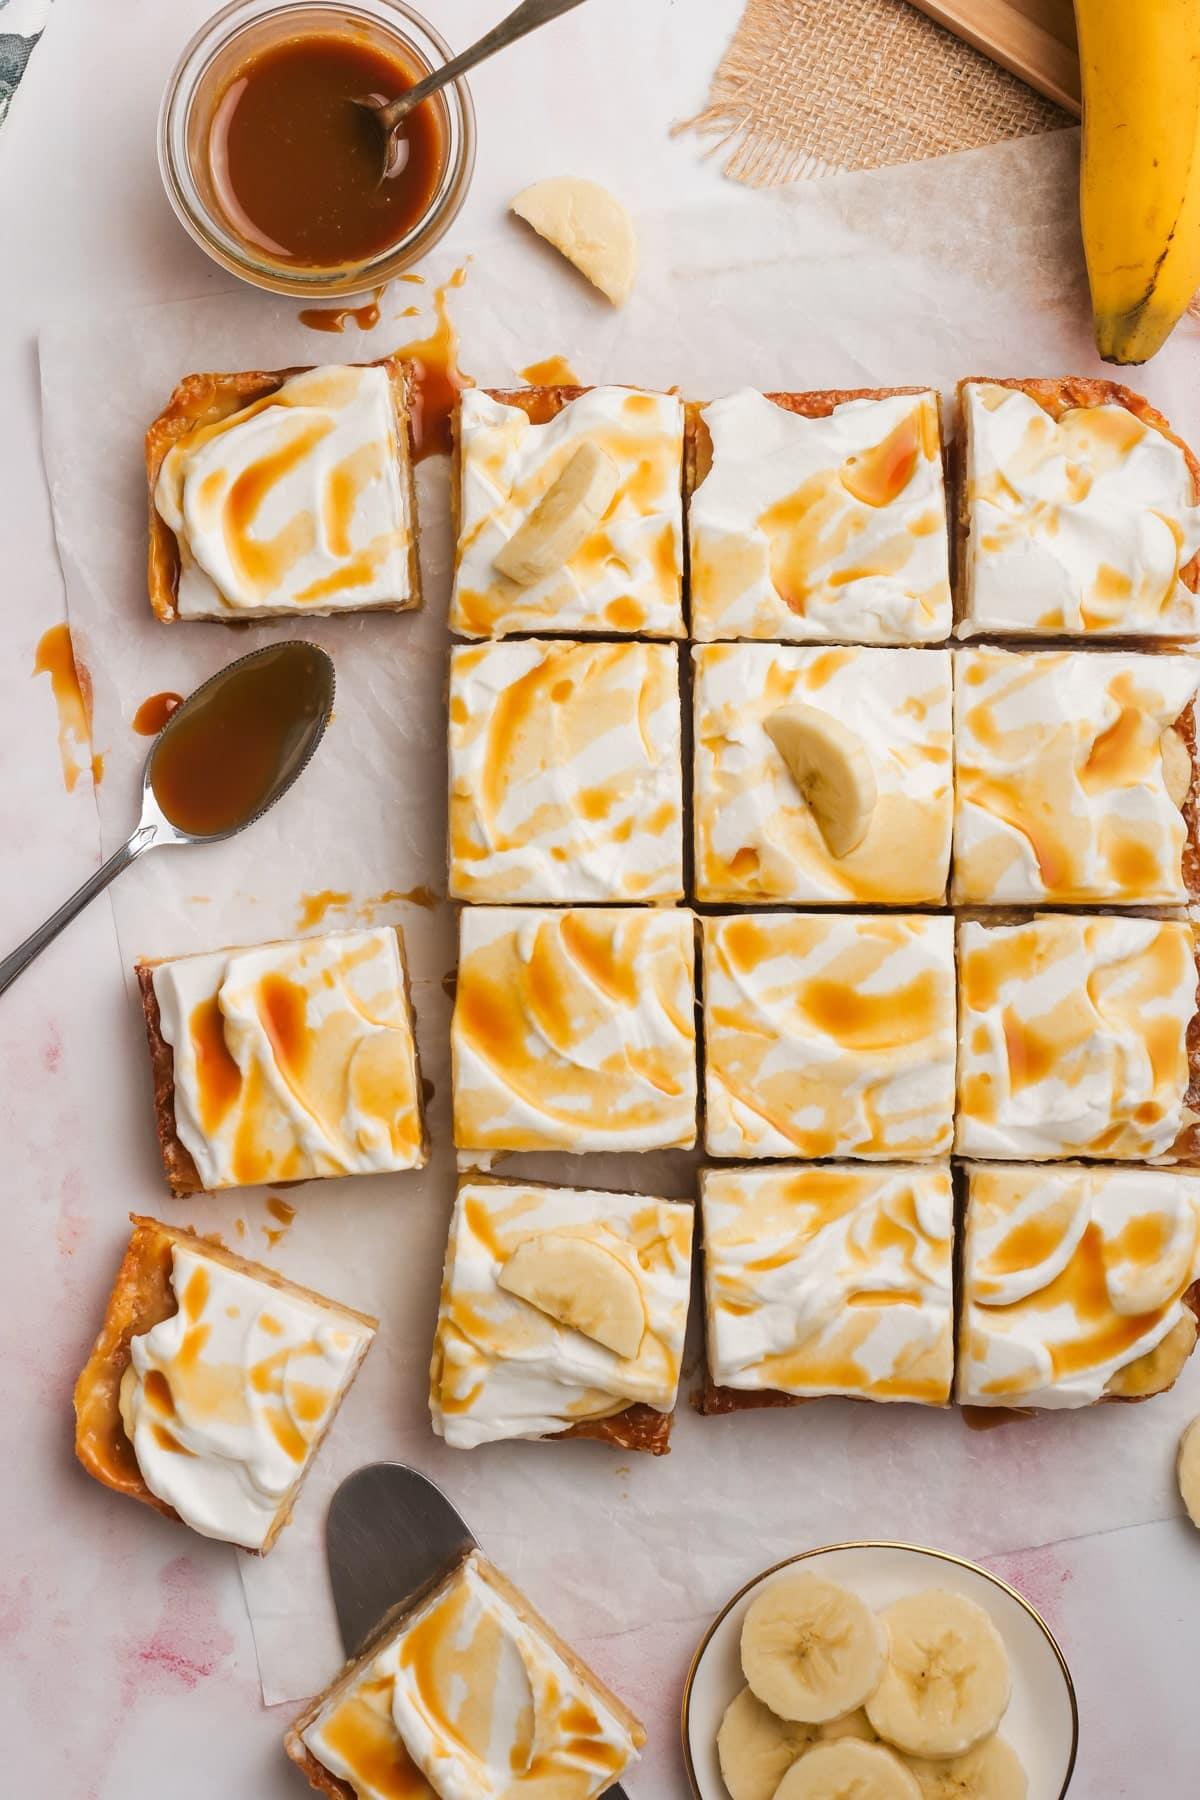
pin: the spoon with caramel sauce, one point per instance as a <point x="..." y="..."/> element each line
<point x="390" y="114"/>
<point x="222" y="759"/>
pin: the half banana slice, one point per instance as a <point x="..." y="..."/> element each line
<point x="992" y="1771"/>
<point x="947" y="1683"/>
<point x="589" y="226"/>
<point x="1187" y="1468"/>
<point x="563" y="519"/>
<point x="848" y="1770"/>
<point x="829" y="764"/>
<point x="581" y="1285"/>
<point x="811" y="1650"/>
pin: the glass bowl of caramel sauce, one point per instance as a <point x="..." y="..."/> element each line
<point x="276" y="173"/>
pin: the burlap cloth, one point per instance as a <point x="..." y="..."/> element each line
<point x="811" y="86"/>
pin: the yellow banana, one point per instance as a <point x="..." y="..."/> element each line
<point x="1140" y="179"/>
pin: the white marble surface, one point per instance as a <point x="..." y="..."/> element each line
<point x="128" y="1668"/>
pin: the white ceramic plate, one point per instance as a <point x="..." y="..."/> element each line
<point x="1041" y="1724"/>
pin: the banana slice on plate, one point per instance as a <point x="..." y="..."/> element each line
<point x="589" y="226"/>
<point x="1187" y="1468"/>
<point x="855" y="1725"/>
<point x="810" y="1650"/>
<point x="581" y="1285"/>
<point x="947" y="1683"/>
<point x="829" y="764"/>
<point x="848" y="1770"/>
<point x="992" y="1771"/>
<point x="563" y="519"/>
<point x="755" y="1749"/>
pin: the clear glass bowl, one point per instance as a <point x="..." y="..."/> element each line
<point x="199" y="77"/>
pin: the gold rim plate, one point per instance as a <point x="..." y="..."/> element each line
<point x="1043" y="1719"/>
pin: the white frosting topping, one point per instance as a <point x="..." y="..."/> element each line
<point x="756" y="837"/>
<point x="628" y="576"/>
<point x="1077" y="524"/>
<point x="502" y="1368"/>
<point x="574" y="1029"/>
<point x="830" y="1279"/>
<point x="473" y="1693"/>
<point x="829" y="1035"/>
<point x="297" y="503"/>
<point x="1073" y="1037"/>
<point x="822" y="529"/>
<point x="1069" y="1275"/>
<point x="225" y="1401"/>
<point x="566" y="781"/>
<point x="294" y="1060"/>
<point x="1060" y="788"/>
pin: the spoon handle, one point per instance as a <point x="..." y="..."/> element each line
<point x="20" y="958"/>
<point x="522" y="20"/>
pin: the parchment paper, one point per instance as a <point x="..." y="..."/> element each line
<point x="969" y="266"/>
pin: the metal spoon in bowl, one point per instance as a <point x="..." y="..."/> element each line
<point x="388" y="114"/>
<point x="223" y="758"/>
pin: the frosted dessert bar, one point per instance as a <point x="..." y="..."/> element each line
<point x="828" y="1279"/>
<point x="1078" y="513"/>
<point x="819" y="518"/>
<point x="284" y="1062"/>
<point x="1079" y="1284"/>
<point x="623" y="575"/>
<point x="878" y="725"/>
<point x="829" y="1035"/>
<point x="212" y="1385"/>
<point x="566" y="773"/>
<point x="562" y="1314"/>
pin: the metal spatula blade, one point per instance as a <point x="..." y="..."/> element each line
<point x="391" y="1534"/>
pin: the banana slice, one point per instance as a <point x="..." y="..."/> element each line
<point x="855" y="1725"/>
<point x="829" y="764"/>
<point x="579" y="1284"/>
<point x="755" y="1749"/>
<point x="1139" y="1285"/>
<point x="992" y="1771"/>
<point x="946" y="1684"/>
<point x="563" y="519"/>
<point x="1176" y="766"/>
<point x="810" y="1650"/>
<point x="589" y="226"/>
<point x="1187" y="1468"/>
<point x="848" y="1770"/>
<point x="1159" y="1368"/>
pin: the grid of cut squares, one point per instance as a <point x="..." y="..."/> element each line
<point x="574" y="1029"/>
<point x="1079" y="1283"/>
<point x="828" y="1278"/>
<point x="757" y="840"/>
<point x="566" y="772"/>
<point x="829" y="1035"/>
<point x="562" y="1314"/>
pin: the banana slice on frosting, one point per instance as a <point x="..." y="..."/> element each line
<point x="848" y="1770"/>
<point x="992" y="1771"/>
<point x="589" y="226"/>
<point x="563" y="519"/>
<point x="811" y="1651"/>
<point x="947" y="1683"/>
<point x="581" y="1285"/>
<point x="829" y="764"/>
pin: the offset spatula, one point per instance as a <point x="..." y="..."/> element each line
<point x="391" y="1534"/>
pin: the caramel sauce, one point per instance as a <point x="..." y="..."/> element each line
<point x="880" y="475"/>
<point x="218" y="1078"/>
<point x="334" y="318"/>
<point x="986" y="1418"/>
<point x="313" y="907"/>
<point x="369" y="1744"/>
<point x="436" y="379"/>
<point x="552" y="371"/>
<point x="71" y="686"/>
<point x="154" y="712"/>
<point x="296" y="166"/>
<point x="221" y="759"/>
